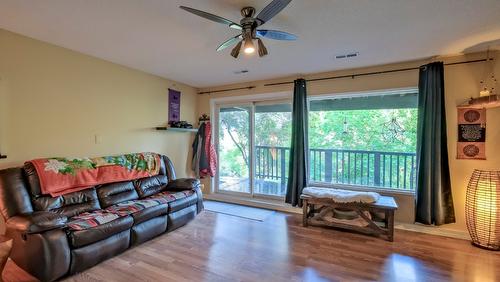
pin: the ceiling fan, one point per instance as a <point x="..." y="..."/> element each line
<point x="248" y="26"/>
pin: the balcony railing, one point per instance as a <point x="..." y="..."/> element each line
<point x="388" y="170"/>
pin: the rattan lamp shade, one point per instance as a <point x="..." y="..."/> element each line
<point x="482" y="209"/>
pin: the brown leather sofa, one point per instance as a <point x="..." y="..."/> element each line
<point x="49" y="246"/>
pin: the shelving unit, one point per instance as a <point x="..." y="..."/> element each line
<point x="165" y="128"/>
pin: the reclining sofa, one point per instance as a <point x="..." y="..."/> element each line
<point x="58" y="236"/>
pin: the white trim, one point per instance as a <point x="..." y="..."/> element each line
<point x="254" y="202"/>
<point x="251" y="98"/>
<point x="251" y="150"/>
<point x="250" y="101"/>
<point x="433" y="230"/>
<point x="367" y="93"/>
<point x="215" y="137"/>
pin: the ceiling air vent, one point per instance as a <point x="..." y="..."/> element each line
<point x="348" y="55"/>
<point x="240" y="71"/>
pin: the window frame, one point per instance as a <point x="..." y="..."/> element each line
<point x="358" y="94"/>
<point x="250" y="100"/>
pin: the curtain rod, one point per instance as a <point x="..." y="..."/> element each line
<point x="343" y="76"/>
<point x="225" y="90"/>
<point x="374" y="73"/>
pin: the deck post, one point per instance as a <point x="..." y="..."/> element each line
<point x="328" y="166"/>
<point x="376" y="169"/>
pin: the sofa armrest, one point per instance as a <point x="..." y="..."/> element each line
<point x="183" y="184"/>
<point x="36" y="222"/>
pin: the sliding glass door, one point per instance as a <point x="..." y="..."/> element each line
<point x="253" y="148"/>
<point x="273" y="123"/>
<point x="234" y="147"/>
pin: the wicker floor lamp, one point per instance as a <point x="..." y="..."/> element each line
<point x="482" y="209"/>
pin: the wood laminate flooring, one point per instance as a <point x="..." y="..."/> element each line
<point x="219" y="247"/>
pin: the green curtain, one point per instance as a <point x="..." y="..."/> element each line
<point x="297" y="173"/>
<point x="434" y="202"/>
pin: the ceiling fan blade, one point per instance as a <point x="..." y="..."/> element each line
<point x="271" y="10"/>
<point x="229" y="42"/>
<point x="212" y="17"/>
<point x="275" y="34"/>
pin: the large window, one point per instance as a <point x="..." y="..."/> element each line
<point x="367" y="141"/>
<point x="364" y="141"/>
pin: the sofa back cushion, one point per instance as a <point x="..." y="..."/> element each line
<point x="115" y="193"/>
<point x="70" y="204"/>
<point x="151" y="185"/>
<point x="33" y="180"/>
<point x="14" y="196"/>
<point x="167" y="168"/>
<point x="105" y="195"/>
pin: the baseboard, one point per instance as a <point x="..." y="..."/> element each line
<point x="433" y="230"/>
<point x="253" y="202"/>
<point x="283" y="207"/>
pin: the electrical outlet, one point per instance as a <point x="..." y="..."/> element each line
<point x="97" y="139"/>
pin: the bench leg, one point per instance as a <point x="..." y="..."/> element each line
<point x="304" y="213"/>
<point x="389" y="217"/>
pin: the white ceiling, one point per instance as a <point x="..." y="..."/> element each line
<point x="157" y="37"/>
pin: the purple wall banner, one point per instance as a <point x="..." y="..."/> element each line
<point x="174" y="105"/>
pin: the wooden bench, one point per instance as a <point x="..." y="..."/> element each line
<point x="385" y="205"/>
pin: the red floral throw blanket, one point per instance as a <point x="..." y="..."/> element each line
<point x="59" y="176"/>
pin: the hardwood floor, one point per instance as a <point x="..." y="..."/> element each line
<point x="219" y="247"/>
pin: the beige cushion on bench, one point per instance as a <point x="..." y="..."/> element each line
<point x="341" y="195"/>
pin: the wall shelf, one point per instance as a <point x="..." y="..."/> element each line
<point x="177" y="129"/>
<point x="488" y="102"/>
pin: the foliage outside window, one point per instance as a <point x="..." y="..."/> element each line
<point x="365" y="141"/>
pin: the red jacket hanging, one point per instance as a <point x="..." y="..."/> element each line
<point x="204" y="161"/>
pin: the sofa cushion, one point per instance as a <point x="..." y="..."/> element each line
<point x="180" y="217"/>
<point x="167" y="168"/>
<point x="181" y="203"/>
<point x="141" y="210"/>
<point x="149" y="213"/>
<point x="36" y="222"/>
<point x="114" y="193"/>
<point x="70" y="204"/>
<point x="177" y="200"/>
<point x="94" y="226"/>
<point x="180" y="184"/>
<point x="14" y="193"/>
<point x="90" y="255"/>
<point x="151" y="185"/>
<point x="148" y="229"/>
<point x="33" y="180"/>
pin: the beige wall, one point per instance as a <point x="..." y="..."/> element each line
<point x="461" y="82"/>
<point x="54" y="102"/>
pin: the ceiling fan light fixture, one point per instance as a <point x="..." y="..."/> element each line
<point x="235" y="26"/>
<point x="248" y="26"/>
<point x="236" y="50"/>
<point x="249" y="48"/>
<point x="262" y="48"/>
